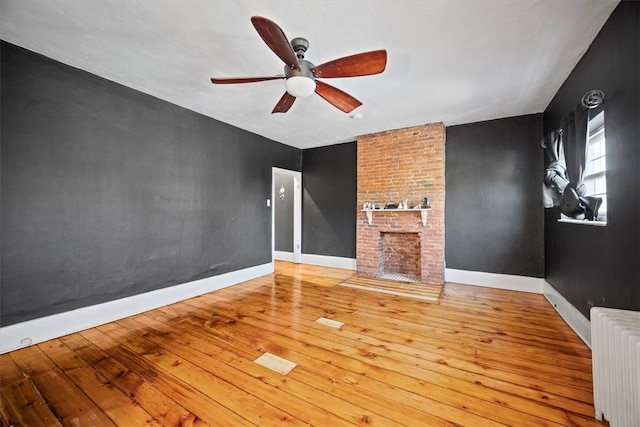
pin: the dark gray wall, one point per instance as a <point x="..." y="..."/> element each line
<point x="601" y="265"/>
<point x="329" y="200"/>
<point x="283" y="213"/>
<point x="493" y="214"/>
<point x="108" y="192"/>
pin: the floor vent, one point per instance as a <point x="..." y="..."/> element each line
<point x="276" y="363"/>
<point x="330" y="322"/>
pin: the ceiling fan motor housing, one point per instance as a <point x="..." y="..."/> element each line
<point x="304" y="71"/>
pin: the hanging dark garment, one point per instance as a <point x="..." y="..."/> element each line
<point x="574" y="129"/>
<point x="566" y="152"/>
<point x="555" y="180"/>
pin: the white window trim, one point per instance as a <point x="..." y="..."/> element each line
<point x="596" y="223"/>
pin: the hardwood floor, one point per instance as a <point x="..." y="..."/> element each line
<point x="477" y="357"/>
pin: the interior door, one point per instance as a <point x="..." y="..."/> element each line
<point x="286" y="215"/>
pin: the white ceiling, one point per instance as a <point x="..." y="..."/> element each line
<point x="453" y="61"/>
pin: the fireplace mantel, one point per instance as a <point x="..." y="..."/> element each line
<point x="423" y="213"/>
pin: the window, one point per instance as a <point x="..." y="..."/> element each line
<point x="594" y="177"/>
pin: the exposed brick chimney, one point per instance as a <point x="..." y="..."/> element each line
<point x="394" y="166"/>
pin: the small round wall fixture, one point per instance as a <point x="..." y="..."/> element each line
<point x="592" y="99"/>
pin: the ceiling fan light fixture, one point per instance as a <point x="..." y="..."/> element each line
<point x="300" y="86"/>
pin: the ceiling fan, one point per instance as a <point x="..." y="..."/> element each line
<point x="301" y="76"/>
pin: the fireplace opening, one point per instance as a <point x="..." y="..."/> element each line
<point x="400" y="256"/>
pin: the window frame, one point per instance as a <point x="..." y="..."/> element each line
<point x="596" y="129"/>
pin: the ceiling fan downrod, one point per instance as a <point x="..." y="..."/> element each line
<point x="300" y="46"/>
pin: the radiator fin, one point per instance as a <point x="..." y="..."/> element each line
<point x="615" y="344"/>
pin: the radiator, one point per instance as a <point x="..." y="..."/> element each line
<point x="615" y="345"/>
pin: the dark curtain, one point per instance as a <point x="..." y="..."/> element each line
<point x="555" y="172"/>
<point x="574" y="129"/>
<point x="566" y="151"/>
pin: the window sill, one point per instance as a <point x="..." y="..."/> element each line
<point x="583" y="222"/>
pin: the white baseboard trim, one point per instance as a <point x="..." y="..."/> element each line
<point x="492" y="280"/>
<point x="329" y="261"/>
<point x="283" y="256"/>
<point x="39" y="330"/>
<point x="576" y="320"/>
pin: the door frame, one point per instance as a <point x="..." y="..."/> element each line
<point x="297" y="212"/>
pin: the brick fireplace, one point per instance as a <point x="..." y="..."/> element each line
<point x="393" y="166"/>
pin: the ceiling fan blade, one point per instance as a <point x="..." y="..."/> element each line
<point x="360" y="64"/>
<point x="284" y="104"/>
<point x="334" y="96"/>
<point x="233" y="80"/>
<point x="275" y="38"/>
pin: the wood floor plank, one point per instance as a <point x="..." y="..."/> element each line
<point x="489" y="339"/>
<point x="414" y="367"/>
<point x="160" y="406"/>
<point x="401" y="318"/>
<point x="22" y="405"/>
<point x="476" y="357"/>
<point x="326" y="362"/>
<point x="397" y="319"/>
<point x="20" y="400"/>
<point x="264" y="384"/>
<point x="115" y="404"/>
<point x="313" y="372"/>
<point x="187" y="396"/>
<point x="495" y="378"/>
<point x="235" y="397"/>
<point x="445" y="310"/>
<point x="455" y="410"/>
<point x="414" y="340"/>
<point x="562" y="418"/>
<point x="9" y="371"/>
<point x="65" y="399"/>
